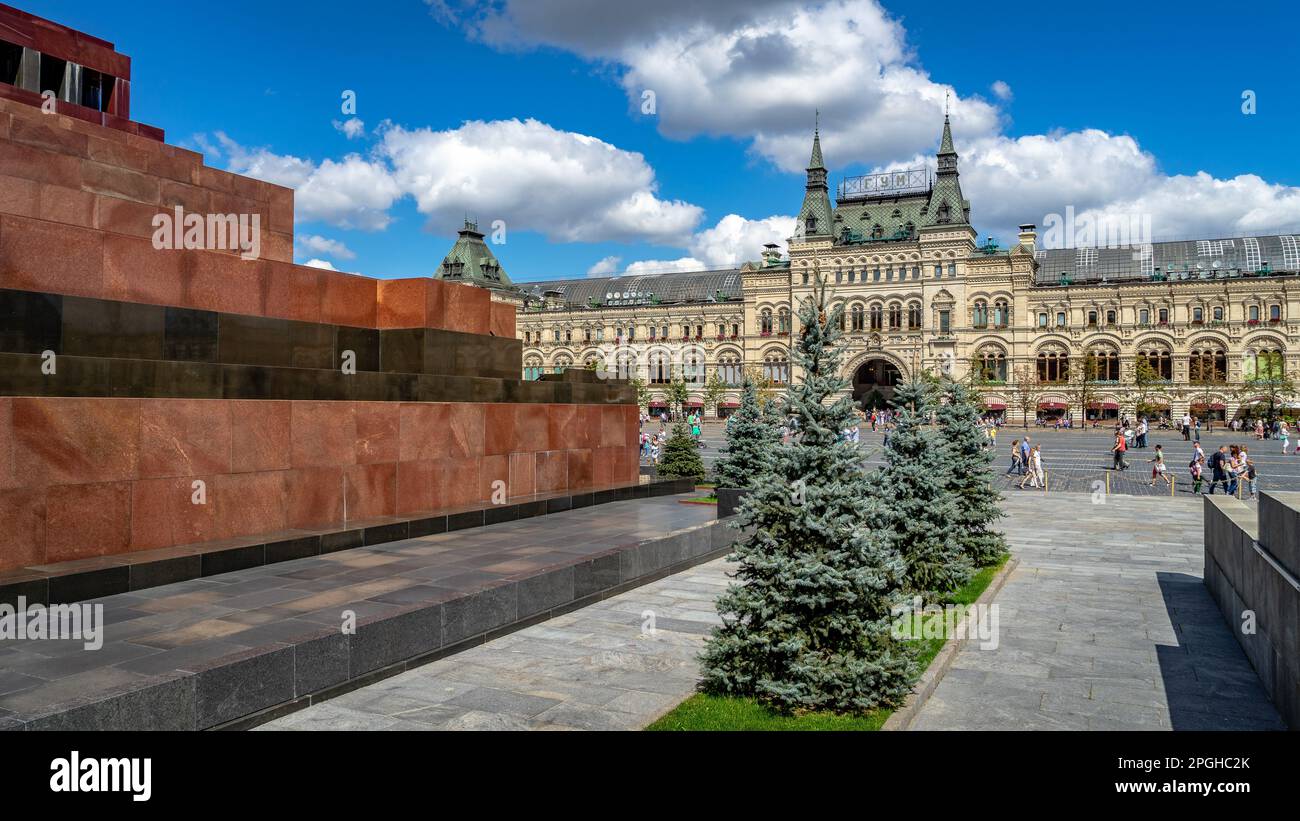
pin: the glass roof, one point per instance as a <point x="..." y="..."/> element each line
<point x="1182" y="259"/>
<point x="693" y="286"/>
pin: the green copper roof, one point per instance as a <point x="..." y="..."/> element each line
<point x="816" y="160"/>
<point x="471" y="260"/>
<point x="815" y="215"/>
<point x="945" y="145"/>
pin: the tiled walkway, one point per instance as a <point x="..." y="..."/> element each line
<point x="1105" y="625"/>
<point x="185" y="626"/>
<point x="599" y="668"/>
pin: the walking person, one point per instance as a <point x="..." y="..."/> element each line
<point x="1187" y="427"/>
<point x="1121" y="445"/>
<point x="1034" y="474"/>
<point x="1284" y="433"/>
<point x="1158" y="470"/>
<point x="1017" y="466"/>
<point x="1197" y="469"/>
<point x="1218" y="465"/>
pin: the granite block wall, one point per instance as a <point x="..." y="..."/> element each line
<point x="1251" y="568"/>
<point x="130" y="373"/>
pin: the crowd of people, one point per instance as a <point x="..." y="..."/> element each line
<point x="1229" y="467"/>
<point x="652" y="443"/>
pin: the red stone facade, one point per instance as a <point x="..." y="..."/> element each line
<point x="96" y="477"/>
<point x="84" y="477"/>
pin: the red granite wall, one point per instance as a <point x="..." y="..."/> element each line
<point x="96" y="477"/>
<point x="83" y="477"/>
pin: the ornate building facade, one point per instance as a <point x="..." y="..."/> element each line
<point x="921" y="293"/>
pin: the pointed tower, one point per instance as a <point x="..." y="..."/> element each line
<point x="471" y="260"/>
<point x="947" y="207"/>
<point x="815" y="215"/>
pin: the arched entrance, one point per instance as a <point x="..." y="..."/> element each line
<point x="873" y="383"/>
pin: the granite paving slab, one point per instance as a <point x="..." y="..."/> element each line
<point x="195" y="648"/>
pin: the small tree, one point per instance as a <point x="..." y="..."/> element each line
<point x="714" y="389"/>
<point x="642" y="391"/>
<point x="1146" y="381"/>
<point x="681" y="455"/>
<point x="677" y="393"/>
<point x="1266" y="386"/>
<point x="751" y="439"/>
<point x="1083" y="385"/>
<point x="970" y="460"/>
<point x="1205" y="377"/>
<point x="1024" y="391"/>
<point x="919" y="513"/>
<point x="808" y="627"/>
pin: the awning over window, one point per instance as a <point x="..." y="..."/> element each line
<point x="658" y="403"/>
<point x="728" y="404"/>
<point x="1103" y="405"/>
<point x="692" y="404"/>
<point x="1211" y="406"/>
<point x="995" y="405"/>
<point x="1051" y="406"/>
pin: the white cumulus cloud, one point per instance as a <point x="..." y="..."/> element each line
<point x="568" y="186"/>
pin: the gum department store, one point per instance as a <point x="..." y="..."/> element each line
<point x="921" y="293"/>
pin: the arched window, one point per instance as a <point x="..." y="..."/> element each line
<point x="533" y="368"/>
<point x="693" y="368"/>
<point x="783" y="318"/>
<point x="895" y="316"/>
<point x="1265" y="363"/>
<point x="1217" y="313"/>
<point x="625" y="364"/>
<point x="1103" y="364"/>
<point x="765" y="322"/>
<point x="730" y="369"/>
<point x="1198" y="314"/>
<point x="992" y="364"/>
<point x="859" y="318"/>
<point x="1053" y="366"/>
<point x="562" y="362"/>
<point x="661" y="368"/>
<point x="1159" y="360"/>
<point x="980" y="315"/>
<point x="914" y="316"/>
<point x="1001" y="314"/>
<point x="877" y="317"/>
<point x="776" y="368"/>
<point x="1206" y="365"/>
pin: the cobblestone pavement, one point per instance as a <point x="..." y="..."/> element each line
<point x="598" y="668"/>
<point x="1105" y="625"/>
<point x="1079" y="461"/>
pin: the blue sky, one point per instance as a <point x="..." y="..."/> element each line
<point x="1112" y="107"/>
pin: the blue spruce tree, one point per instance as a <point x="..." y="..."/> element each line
<point x="919" y="513"/>
<point x="969" y="480"/>
<point x="808" y="625"/>
<point x="751" y="438"/>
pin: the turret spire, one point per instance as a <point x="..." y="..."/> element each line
<point x="816" y="214"/>
<point x="815" y="162"/>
